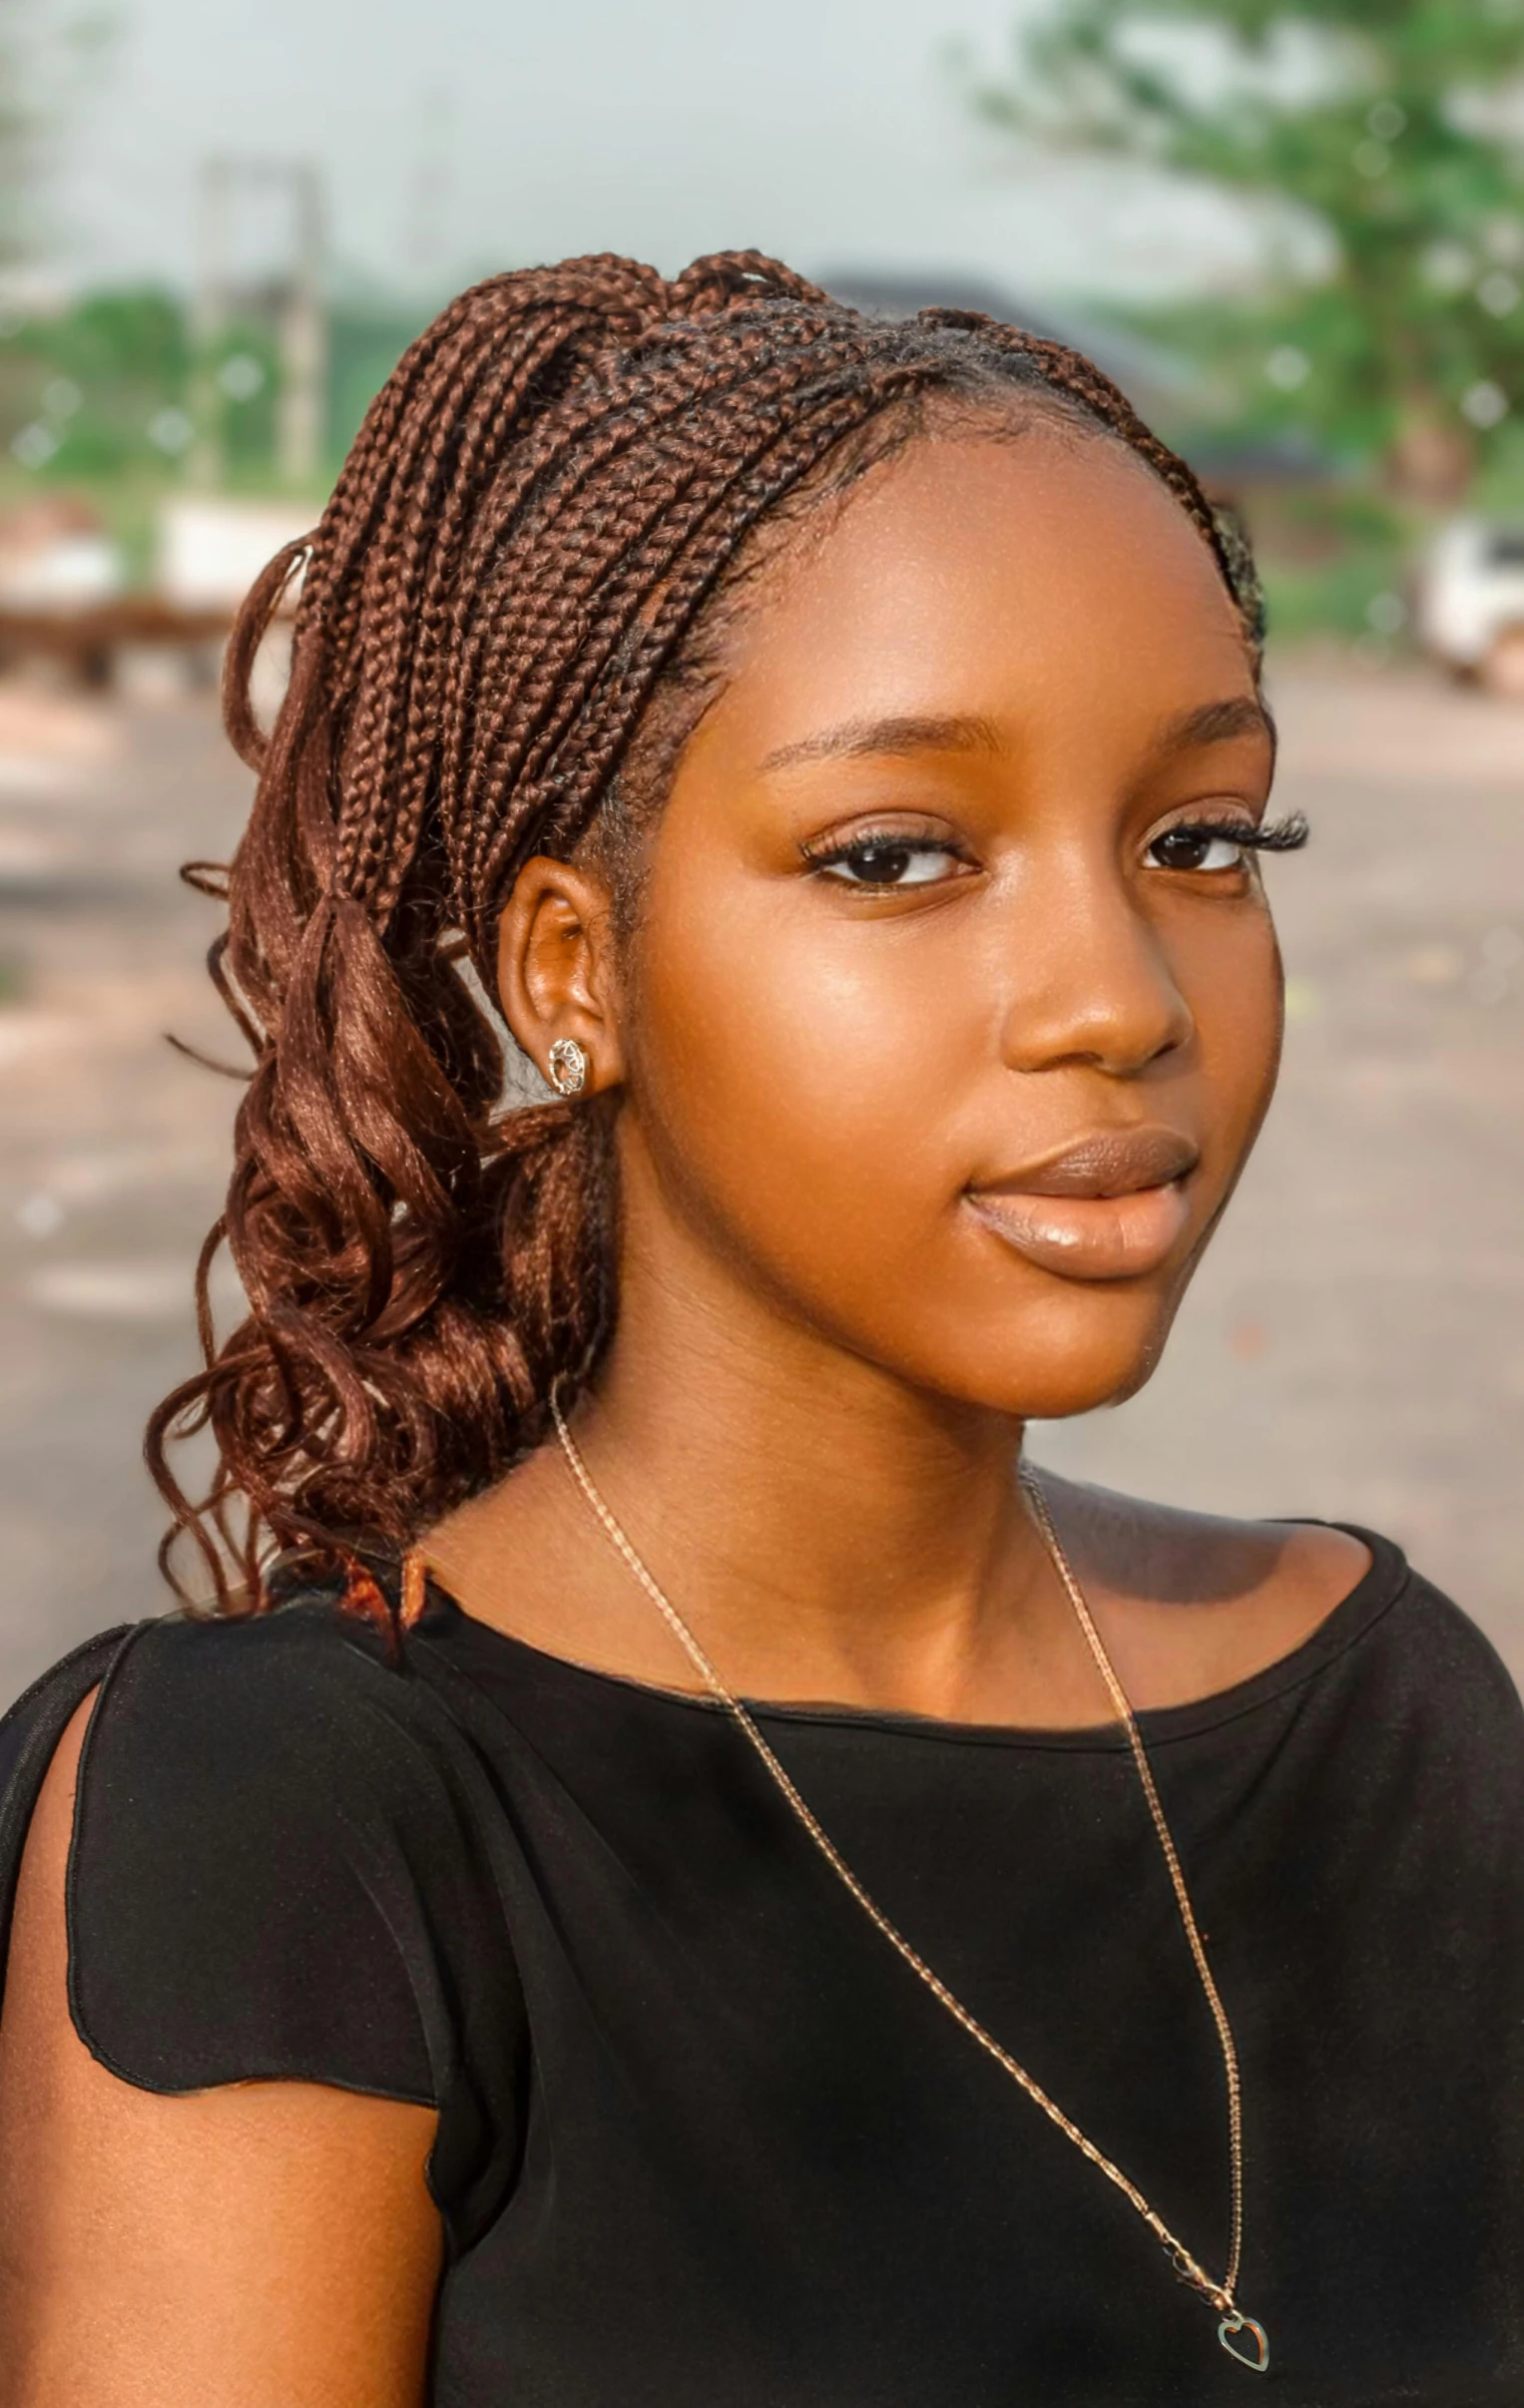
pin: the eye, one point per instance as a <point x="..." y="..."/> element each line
<point x="1199" y="847"/>
<point x="881" y="862"/>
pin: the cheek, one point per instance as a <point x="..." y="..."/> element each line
<point x="801" y="1069"/>
<point x="1228" y="966"/>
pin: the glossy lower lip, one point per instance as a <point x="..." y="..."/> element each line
<point x="1089" y="1236"/>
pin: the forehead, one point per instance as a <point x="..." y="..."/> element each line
<point x="1023" y="578"/>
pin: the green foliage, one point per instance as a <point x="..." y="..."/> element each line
<point x="106" y="381"/>
<point x="81" y="393"/>
<point x="365" y="342"/>
<point x="1332" y="596"/>
<point x="99" y="398"/>
<point x="1368" y="139"/>
<point x="246" y="371"/>
<point x="1499" y="488"/>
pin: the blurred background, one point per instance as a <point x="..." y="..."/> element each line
<point x="1294" y="234"/>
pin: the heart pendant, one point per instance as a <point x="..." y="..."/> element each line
<point x="1244" y="2340"/>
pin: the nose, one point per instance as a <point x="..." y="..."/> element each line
<point x="1091" y="980"/>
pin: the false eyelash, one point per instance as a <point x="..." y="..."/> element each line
<point x="1286" y="835"/>
<point x="913" y="840"/>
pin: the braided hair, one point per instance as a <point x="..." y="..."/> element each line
<point x="517" y="578"/>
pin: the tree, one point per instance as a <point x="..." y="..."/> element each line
<point x="1376" y="130"/>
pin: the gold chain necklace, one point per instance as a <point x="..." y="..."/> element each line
<point x="1241" y="2336"/>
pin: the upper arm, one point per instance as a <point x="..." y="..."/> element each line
<point x="268" y="2244"/>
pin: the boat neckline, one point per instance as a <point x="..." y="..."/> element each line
<point x="446" y="1624"/>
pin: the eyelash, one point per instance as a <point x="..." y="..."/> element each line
<point x="1271" y="836"/>
<point x="822" y="856"/>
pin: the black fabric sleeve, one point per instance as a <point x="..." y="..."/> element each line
<point x="276" y="1875"/>
<point x="29" y="1732"/>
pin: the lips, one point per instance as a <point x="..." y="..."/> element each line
<point x="1112" y="1205"/>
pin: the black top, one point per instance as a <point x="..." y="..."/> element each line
<point x="703" y="2137"/>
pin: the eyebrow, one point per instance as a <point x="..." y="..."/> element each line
<point x="1216" y="723"/>
<point x="854" y="740"/>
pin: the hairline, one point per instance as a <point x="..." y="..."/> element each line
<point x="979" y="405"/>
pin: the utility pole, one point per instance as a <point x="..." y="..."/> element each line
<point x="295" y="293"/>
<point x="209" y="318"/>
<point x="304" y="333"/>
<point x="429" y="193"/>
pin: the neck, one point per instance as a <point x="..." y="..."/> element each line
<point x="830" y="1532"/>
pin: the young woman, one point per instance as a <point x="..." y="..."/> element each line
<point x="1094" y="1969"/>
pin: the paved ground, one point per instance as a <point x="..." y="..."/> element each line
<point x="1355" y="1345"/>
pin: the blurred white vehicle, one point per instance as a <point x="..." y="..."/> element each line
<point x="211" y="548"/>
<point x="1469" y="601"/>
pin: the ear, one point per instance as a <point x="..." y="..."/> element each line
<point x="556" y="969"/>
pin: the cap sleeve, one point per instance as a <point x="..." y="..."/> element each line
<point x="277" y="1875"/>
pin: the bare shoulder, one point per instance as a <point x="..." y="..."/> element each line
<point x="1195" y="1602"/>
<point x="168" y="2249"/>
<point x="1166" y="1553"/>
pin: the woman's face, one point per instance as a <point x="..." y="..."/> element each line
<point x="944" y="1041"/>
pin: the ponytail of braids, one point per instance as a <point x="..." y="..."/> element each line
<point x="545" y="501"/>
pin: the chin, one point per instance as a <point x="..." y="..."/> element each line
<point x="1073" y="1362"/>
<point x="1063" y="1396"/>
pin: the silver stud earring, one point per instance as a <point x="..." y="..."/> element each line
<point x="567" y="1066"/>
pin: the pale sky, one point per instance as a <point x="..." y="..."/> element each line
<point x="463" y="135"/>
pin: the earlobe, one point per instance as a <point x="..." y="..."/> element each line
<point x="555" y="975"/>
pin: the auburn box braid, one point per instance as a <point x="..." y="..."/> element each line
<point x="519" y="575"/>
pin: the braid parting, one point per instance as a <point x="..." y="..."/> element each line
<point x="548" y="499"/>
